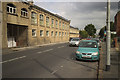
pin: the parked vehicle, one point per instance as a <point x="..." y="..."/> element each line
<point x="88" y="50"/>
<point x="98" y="41"/>
<point x="74" y="42"/>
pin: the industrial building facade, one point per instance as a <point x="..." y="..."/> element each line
<point x="26" y="24"/>
<point x="74" y="32"/>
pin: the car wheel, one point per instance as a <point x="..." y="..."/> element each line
<point x="77" y="59"/>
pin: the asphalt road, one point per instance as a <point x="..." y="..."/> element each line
<point x="53" y="61"/>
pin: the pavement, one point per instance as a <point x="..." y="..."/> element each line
<point x="14" y="49"/>
<point x="113" y="73"/>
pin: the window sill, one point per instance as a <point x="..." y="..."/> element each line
<point x="12" y="14"/>
<point x="25" y="17"/>
<point x="41" y="36"/>
<point x="42" y="25"/>
<point x="34" y="36"/>
<point x="33" y="24"/>
<point x="48" y="26"/>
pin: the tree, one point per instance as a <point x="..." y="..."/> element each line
<point x="83" y="34"/>
<point x="101" y="33"/>
<point x="112" y="28"/>
<point x="91" y="30"/>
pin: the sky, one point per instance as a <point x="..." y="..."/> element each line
<point x="80" y="13"/>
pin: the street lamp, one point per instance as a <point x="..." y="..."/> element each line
<point x="108" y="37"/>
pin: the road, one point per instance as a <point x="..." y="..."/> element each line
<point x="53" y="61"/>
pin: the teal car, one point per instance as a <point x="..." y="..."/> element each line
<point x="88" y="50"/>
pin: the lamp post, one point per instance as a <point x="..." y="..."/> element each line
<point x="108" y="46"/>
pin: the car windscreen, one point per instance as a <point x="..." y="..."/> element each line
<point x="88" y="44"/>
<point x="75" y="39"/>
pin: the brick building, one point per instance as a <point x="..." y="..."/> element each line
<point x="117" y="23"/>
<point x="26" y="24"/>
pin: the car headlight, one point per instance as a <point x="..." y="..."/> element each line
<point x="77" y="52"/>
<point x="77" y="43"/>
<point x="96" y="53"/>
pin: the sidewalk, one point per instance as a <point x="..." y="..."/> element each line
<point x="10" y="50"/>
<point x="114" y="73"/>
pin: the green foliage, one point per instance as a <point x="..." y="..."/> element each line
<point x="101" y="33"/>
<point x="83" y="34"/>
<point x="112" y="28"/>
<point x="91" y="30"/>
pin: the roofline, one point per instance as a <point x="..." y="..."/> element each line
<point x="56" y="15"/>
<point x="73" y="27"/>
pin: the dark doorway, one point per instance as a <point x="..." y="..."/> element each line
<point x="17" y="35"/>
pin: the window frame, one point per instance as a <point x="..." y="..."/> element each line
<point x="47" y="21"/>
<point x="34" y="34"/>
<point x="41" y="19"/>
<point x="47" y="33"/>
<point x="24" y="13"/>
<point x="52" y="34"/>
<point x="34" y="18"/>
<point x="11" y="10"/>
<point x="41" y="34"/>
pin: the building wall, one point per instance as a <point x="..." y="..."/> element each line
<point x="0" y="25"/>
<point x="74" y="32"/>
<point x="48" y="39"/>
<point x="17" y="19"/>
<point x="117" y="23"/>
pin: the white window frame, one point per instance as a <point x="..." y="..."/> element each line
<point x="41" y="19"/>
<point x="56" y="23"/>
<point x="12" y="8"/>
<point x="63" y="25"/>
<point x="62" y="33"/>
<point x="52" y="33"/>
<point x="56" y="33"/>
<point x="47" y="21"/>
<point x="41" y="33"/>
<point x="59" y="33"/>
<point x="52" y="23"/>
<point x="60" y="24"/>
<point x="34" y="33"/>
<point x="33" y="18"/>
<point x="47" y="33"/>
<point x="24" y="12"/>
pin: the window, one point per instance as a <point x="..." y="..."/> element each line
<point x="63" y="26"/>
<point x="47" y="21"/>
<point x="41" y="19"/>
<point x="11" y="8"/>
<point x="60" y="24"/>
<point x="62" y="33"/>
<point x="52" y="33"/>
<point x="33" y="32"/>
<point x="68" y="33"/>
<point x="41" y="33"/>
<point x="65" y="33"/>
<point x="47" y="33"/>
<point x="52" y="23"/>
<point x="24" y="12"/>
<point x="33" y="18"/>
<point x="56" y="33"/>
<point x="59" y="33"/>
<point x="56" y="23"/>
<point x="67" y="27"/>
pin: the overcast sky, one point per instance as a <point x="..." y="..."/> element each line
<point x="81" y="13"/>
